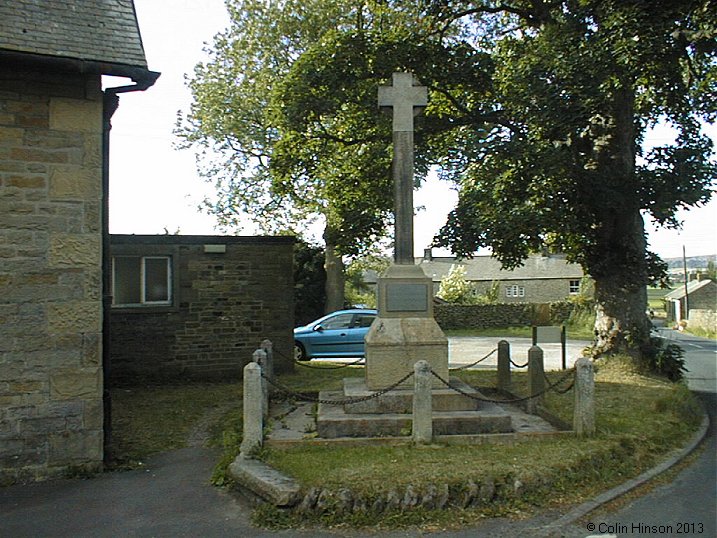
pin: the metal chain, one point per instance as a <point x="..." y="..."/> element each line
<point x="514" y="400"/>
<point x="345" y="401"/>
<point x="519" y="365"/>
<point x="560" y="391"/>
<point x="466" y="366"/>
<point x="331" y="367"/>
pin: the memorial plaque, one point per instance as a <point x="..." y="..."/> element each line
<point x="402" y="297"/>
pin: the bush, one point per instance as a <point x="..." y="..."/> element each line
<point x="664" y="359"/>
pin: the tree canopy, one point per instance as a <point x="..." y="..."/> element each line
<point x="537" y="111"/>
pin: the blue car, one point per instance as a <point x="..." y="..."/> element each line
<point x="339" y="334"/>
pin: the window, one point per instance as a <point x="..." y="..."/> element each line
<point x="141" y="280"/>
<point x="574" y="287"/>
<point x="514" y="291"/>
<point x="342" y="321"/>
<point x="363" y="320"/>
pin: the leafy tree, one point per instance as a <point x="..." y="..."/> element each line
<point x="537" y="109"/>
<point x="576" y="84"/>
<point x="309" y="283"/>
<point x="238" y="113"/>
<point x="358" y="291"/>
<point x="454" y="287"/>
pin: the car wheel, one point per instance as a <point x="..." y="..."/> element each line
<point x="300" y="352"/>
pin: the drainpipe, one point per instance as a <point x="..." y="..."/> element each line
<point x="110" y="102"/>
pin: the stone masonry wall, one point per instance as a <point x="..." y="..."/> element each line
<point x="50" y="274"/>
<point x="703" y="319"/>
<point x="225" y="304"/>
<point x="451" y="316"/>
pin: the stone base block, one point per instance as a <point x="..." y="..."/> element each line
<point x="401" y="400"/>
<point x="394" y="345"/>
<point x="333" y="422"/>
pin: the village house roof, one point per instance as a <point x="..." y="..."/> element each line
<point x="95" y="36"/>
<point x="487" y="268"/>
<point x="692" y="287"/>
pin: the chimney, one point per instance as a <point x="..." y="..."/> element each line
<point x="427" y="254"/>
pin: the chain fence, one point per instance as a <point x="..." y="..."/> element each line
<point x="555" y="387"/>
<point x="551" y="386"/>
<point x="305" y="364"/>
<point x="466" y="366"/>
<point x="344" y="401"/>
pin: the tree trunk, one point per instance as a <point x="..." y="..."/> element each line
<point x="621" y="321"/>
<point x="619" y="263"/>
<point x="335" y="277"/>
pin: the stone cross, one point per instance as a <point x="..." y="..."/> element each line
<point x="404" y="97"/>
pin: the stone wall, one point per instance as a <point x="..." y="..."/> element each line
<point x="224" y="304"/>
<point x="451" y="316"/>
<point x="702" y="319"/>
<point x="50" y="274"/>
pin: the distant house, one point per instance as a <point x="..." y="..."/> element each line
<point x="196" y="307"/>
<point x="54" y="142"/>
<point x="541" y="279"/>
<point x="681" y="303"/>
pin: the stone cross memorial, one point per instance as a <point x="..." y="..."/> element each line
<point x="405" y="98"/>
<point x="404" y="331"/>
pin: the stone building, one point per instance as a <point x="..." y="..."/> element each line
<point x="541" y="278"/>
<point x="196" y="307"/>
<point x="694" y="302"/>
<point x="54" y="119"/>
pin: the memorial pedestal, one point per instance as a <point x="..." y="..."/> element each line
<point x="404" y="331"/>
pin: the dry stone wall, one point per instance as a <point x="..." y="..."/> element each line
<point x="452" y="316"/>
<point x="50" y="274"/>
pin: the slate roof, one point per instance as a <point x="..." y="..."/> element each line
<point x="101" y="31"/>
<point x="693" y="286"/>
<point x="486" y="268"/>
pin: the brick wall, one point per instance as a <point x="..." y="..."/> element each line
<point x="224" y="304"/>
<point x="50" y="274"/>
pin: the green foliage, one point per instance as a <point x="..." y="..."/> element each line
<point x="358" y="292"/>
<point x="711" y="272"/>
<point x="536" y="110"/>
<point x="666" y="359"/>
<point x="309" y="283"/>
<point x="454" y="287"/>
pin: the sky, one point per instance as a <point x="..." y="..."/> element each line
<point x="155" y="188"/>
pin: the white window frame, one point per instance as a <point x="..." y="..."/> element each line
<point x="573" y="288"/>
<point x="514" y="291"/>
<point x="143" y="282"/>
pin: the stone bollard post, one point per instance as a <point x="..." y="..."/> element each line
<point x="536" y="378"/>
<point x="268" y="366"/>
<point x="259" y="357"/>
<point x="422" y="403"/>
<point x="503" y="365"/>
<point x="584" y="414"/>
<point x="253" y="415"/>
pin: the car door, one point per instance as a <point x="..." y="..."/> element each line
<point x="357" y="333"/>
<point x="331" y="336"/>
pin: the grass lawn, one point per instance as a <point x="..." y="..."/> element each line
<point x="151" y="419"/>
<point x="639" y="420"/>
